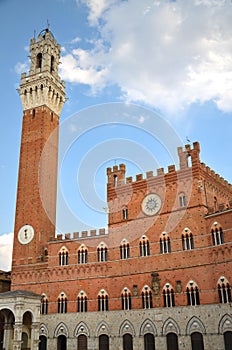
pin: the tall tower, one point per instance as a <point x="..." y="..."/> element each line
<point x="43" y="95"/>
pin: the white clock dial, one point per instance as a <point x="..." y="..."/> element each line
<point x="26" y="234"/>
<point x="151" y="204"/>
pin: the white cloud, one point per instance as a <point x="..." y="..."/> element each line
<point x="167" y="54"/>
<point x="6" y="245"/>
<point x="21" y="67"/>
<point x="76" y="40"/>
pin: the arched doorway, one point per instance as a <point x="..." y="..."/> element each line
<point x="127" y="342"/>
<point x="82" y="342"/>
<point x="103" y="342"/>
<point x="42" y="342"/>
<point x="197" y="341"/>
<point x="228" y="340"/>
<point x="62" y="342"/>
<point x="24" y="345"/>
<point x="172" y="341"/>
<point x="7" y="322"/>
<point x="26" y="331"/>
<point x="149" y="342"/>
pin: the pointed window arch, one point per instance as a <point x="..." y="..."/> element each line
<point x="124" y="249"/>
<point x="168" y="295"/>
<point x="126" y="299"/>
<point x="165" y="243"/>
<point x="39" y="58"/>
<point x="224" y="290"/>
<point x="192" y="292"/>
<point x="144" y="246"/>
<point x="44" y="305"/>
<point x="62" y="303"/>
<point x="82" y="255"/>
<point x="146" y="298"/>
<point x="102" y="252"/>
<point x="63" y="256"/>
<point x="217" y="234"/>
<point x="82" y="302"/>
<point x="187" y="239"/>
<point x="103" y="301"/>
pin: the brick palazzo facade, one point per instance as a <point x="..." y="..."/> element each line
<point x="158" y="278"/>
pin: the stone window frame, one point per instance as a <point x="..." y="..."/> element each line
<point x="124" y="249"/>
<point x="82" y="302"/>
<point x="168" y="295"/>
<point x="165" y="243"/>
<point x="192" y="292"/>
<point x="187" y="239"/>
<point x="146" y="295"/>
<point x="103" y="300"/>
<point x="63" y="256"/>
<point x="82" y="254"/>
<point x="217" y="234"/>
<point x="224" y="290"/>
<point x="126" y="299"/>
<point x="62" y="303"/>
<point x="144" y="246"/>
<point x="102" y="252"/>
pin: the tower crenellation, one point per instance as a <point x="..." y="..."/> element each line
<point x="42" y="85"/>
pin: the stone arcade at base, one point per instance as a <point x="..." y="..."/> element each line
<point x="165" y="283"/>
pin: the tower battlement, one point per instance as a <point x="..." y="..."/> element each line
<point x="82" y="234"/>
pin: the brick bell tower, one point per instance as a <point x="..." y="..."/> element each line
<point x="42" y="94"/>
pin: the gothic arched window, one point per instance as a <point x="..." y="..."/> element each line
<point x="168" y="295"/>
<point x="146" y="298"/>
<point x="165" y="243"/>
<point x="82" y="255"/>
<point x="224" y="290"/>
<point x="144" y="246"/>
<point x="127" y="342"/>
<point x="44" y="305"/>
<point x="124" y="249"/>
<point x="217" y="234"/>
<point x="187" y="240"/>
<point x="82" y="302"/>
<point x="192" y="294"/>
<point x="63" y="256"/>
<point x="62" y="303"/>
<point x="102" y="252"/>
<point x="104" y="342"/>
<point x="103" y="301"/>
<point x="126" y="299"/>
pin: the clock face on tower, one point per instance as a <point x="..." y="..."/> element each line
<point x="151" y="204"/>
<point x="25" y="234"/>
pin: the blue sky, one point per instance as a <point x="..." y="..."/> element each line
<point x="171" y="59"/>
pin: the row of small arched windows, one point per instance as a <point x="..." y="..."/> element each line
<point x="54" y="94"/>
<point x="172" y="343"/>
<point x="192" y="294"/>
<point x="144" y="247"/>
